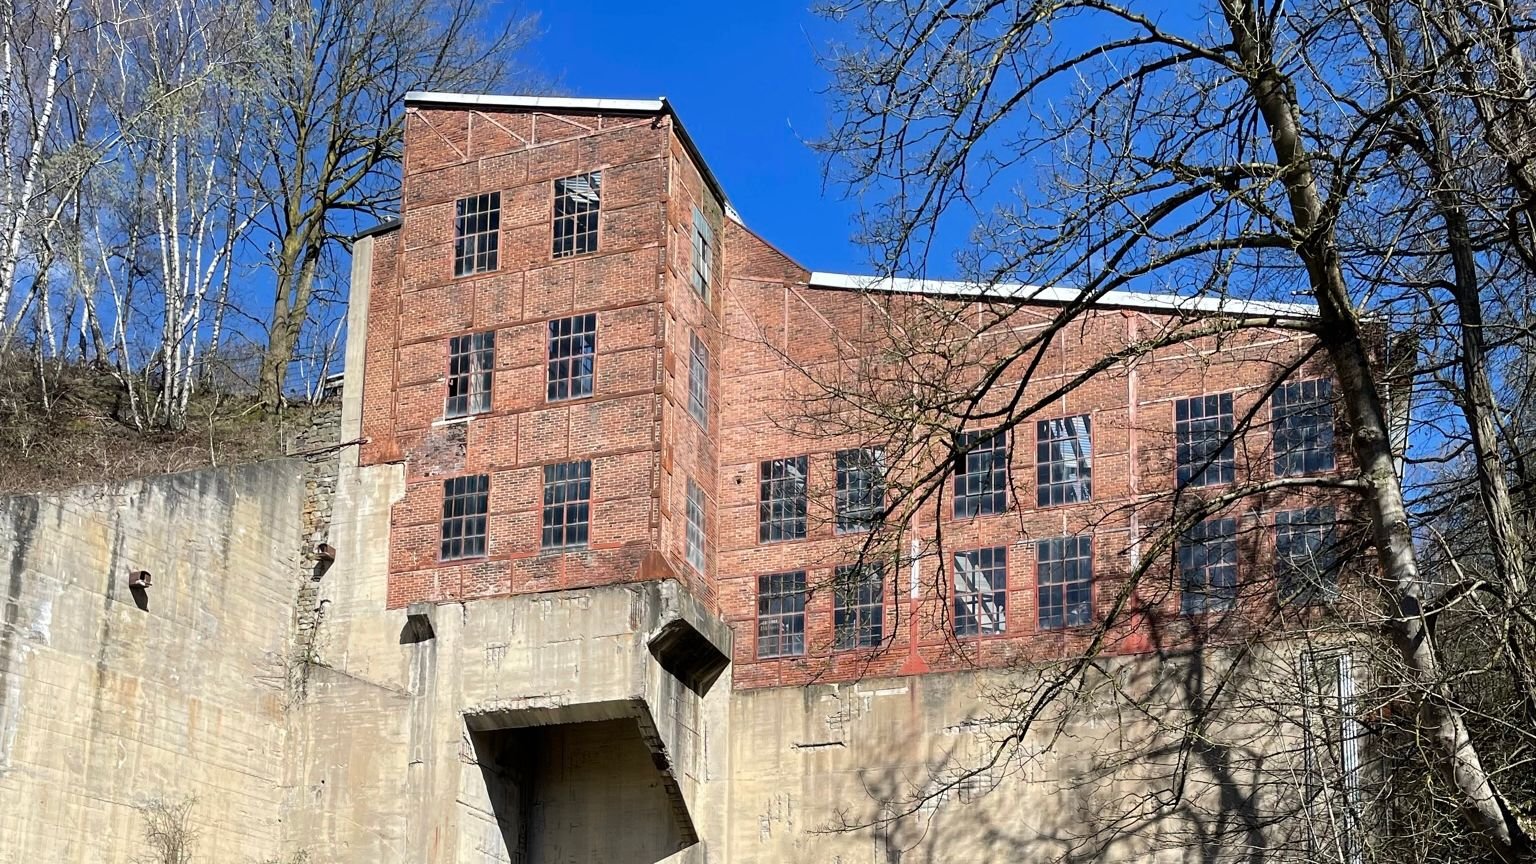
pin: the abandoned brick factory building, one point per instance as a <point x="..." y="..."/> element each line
<point x="612" y="574"/>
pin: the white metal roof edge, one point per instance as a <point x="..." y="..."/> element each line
<point x="570" y="103"/>
<point x="1062" y="296"/>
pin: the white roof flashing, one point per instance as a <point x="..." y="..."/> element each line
<point x="553" y="103"/>
<point x="1062" y="296"/>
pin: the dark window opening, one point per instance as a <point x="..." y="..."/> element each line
<point x="1302" y="417"/>
<point x="567" y="504"/>
<point x="1306" y="555"/>
<point x="576" y="208"/>
<point x="781" y="614"/>
<point x="981" y="592"/>
<point x="858" y="606"/>
<point x="1203" y="428"/>
<point x="781" y="499"/>
<point x="860" y="488"/>
<point x="572" y="355"/>
<point x="1063" y="461"/>
<point x="1208" y="566"/>
<point x="1064" y="577"/>
<point x="981" y="478"/>
<point x="470" y="361"/>
<point x="465" y="503"/>
<point x="476" y="233"/>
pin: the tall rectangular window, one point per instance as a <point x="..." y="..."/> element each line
<point x="703" y="254"/>
<point x="694" y="539"/>
<point x="576" y="206"/>
<point x="1064" y="578"/>
<point x="781" y="499"/>
<point x="781" y="614"/>
<point x="698" y="380"/>
<point x="572" y="353"/>
<point x="860" y="488"/>
<point x="1302" y="417"/>
<point x="981" y="591"/>
<point x="858" y="606"/>
<point x="1306" y="555"/>
<point x="465" y="502"/>
<point x="1063" y="461"/>
<point x="471" y="358"/>
<point x="1203" y="429"/>
<point x="1208" y="566"/>
<point x="981" y="476"/>
<point x="476" y="233"/>
<point x="567" y="504"/>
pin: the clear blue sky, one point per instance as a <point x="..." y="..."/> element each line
<point x="746" y="82"/>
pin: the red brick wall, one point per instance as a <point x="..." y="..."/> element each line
<point x="418" y="305"/>
<point x="765" y="329"/>
<point x="780" y="331"/>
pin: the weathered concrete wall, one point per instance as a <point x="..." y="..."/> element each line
<point x="111" y="698"/>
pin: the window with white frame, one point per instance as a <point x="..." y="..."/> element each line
<point x="698" y="379"/>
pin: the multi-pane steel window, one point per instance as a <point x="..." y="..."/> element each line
<point x="981" y="477"/>
<point x="860" y="488"/>
<point x="858" y="606"/>
<point x="576" y="205"/>
<point x="476" y="233"/>
<point x="781" y="499"/>
<point x="1302" y="417"/>
<point x="567" y="504"/>
<point x="694" y="541"/>
<point x="465" y="502"/>
<point x="781" y="614"/>
<point x="703" y="253"/>
<point x="1064" y="577"/>
<point x="572" y="352"/>
<point x="1203" y="429"/>
<point x="1208" y="566"/>
<point x="698" y="380"/>
<point x="1063" y="461"/>
<point x="981" y="591"/>
<point x="1306" y="561"/>
<point x="470" y="360"/>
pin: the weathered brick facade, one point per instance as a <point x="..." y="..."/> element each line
<point x="770" y="328"/>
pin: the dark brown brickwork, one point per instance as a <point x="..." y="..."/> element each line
<point x="764" y="326"/>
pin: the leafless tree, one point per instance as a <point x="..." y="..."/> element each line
<point x="333" y="123"/>
<point x="1372" y="158"/>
